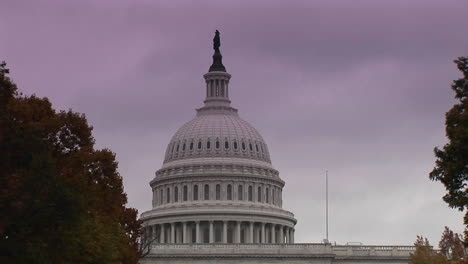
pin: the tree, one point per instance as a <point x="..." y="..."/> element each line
<point x="451" y="246"/>
<point x="452" y="161"/>
<point x="61" y="201"/>
<point x="425" y="254"/>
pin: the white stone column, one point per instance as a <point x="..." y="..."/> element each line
<point x="262" y="234"/>
<point x="198" y="240"/>
<point x="251" y="232"/>
<point x="173" y="233"/>
<point x="281" y="237"/>
<point x="153" y="236"/>
<point x="163" y="231"/>
<point x="211" y="235"/>
<point x="287" y="234"/>
<point x="273" y="234"/>
<point x="292" y="235"/>
<point x="225" y="223"/>
<point x="184" y="232"/>
<point x="238" y="231"/>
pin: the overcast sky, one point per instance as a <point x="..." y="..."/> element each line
<point x="358" y="88"/>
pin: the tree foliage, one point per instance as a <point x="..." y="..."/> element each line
<point x="451" y="250"/>
<point x="61" y="201"/>
<point x="452" y="161"/>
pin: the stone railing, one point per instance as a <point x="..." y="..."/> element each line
<point x="285" y="250"/>
<point x="216" y="206"/>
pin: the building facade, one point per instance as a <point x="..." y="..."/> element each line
<point x="217" y="195"/>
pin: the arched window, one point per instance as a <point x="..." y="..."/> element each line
<point x="199" y="144"/>
<point x="259" y="194"/>
<point x="168" y="195"/>
<point x="195" y="192"/>
<point x="240" y="193"/>
<point x="176" y="194"/>
<point x="226" y="144"/>
<point x="267" y="195"/>
<point x="191" y="145"/>
<point x="161" y="196"/>
<point x="273" y="195"/>
<point x="217" y="144"/>
<point x="173" y="145"/>
<point x="218" y="192"/>
<point x="229" y="192"/>
<point x="177" y="149"/>
<point x="256" y="147"/>
<point x="250" y="193"/>
<point x="208" y="144"/>
<point x="235" y="145"/>
<point x="185" y="193"/>
<point x="250" y="147"/>
<point x="207" y="192"/>
<point x="261" y="147"/>
<point x="183" y="147"/>
<point x="243" y="146"/>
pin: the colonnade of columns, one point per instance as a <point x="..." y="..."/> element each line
<point x="219" y="232"/>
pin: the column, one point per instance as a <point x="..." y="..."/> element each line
<point x="184" y="232"/>
<point x="238" y="230"/>
<point x="211" y="235"/>
<point x="198" y="240"/>
<point x="173" y="233"/>
<point x="225" y="223"/>
<point x="153" y="236"/>
<point x="292" y="235"/>
<point x="262" y="235"/>
<point x="287" y="234"/>
<point x="251" y="232"/>
<point x="273" y="234"/>
<point x="281" y="237"/>
<point x="163" y="231"/>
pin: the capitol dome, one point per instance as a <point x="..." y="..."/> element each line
<point x="217" y="183"/>
<point x="217" y="134"/>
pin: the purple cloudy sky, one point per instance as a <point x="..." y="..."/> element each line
<point x="358" y="88"/>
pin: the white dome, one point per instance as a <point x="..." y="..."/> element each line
<point x="217" y="134"/>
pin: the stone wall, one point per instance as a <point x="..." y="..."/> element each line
<point x="276" y="253"/>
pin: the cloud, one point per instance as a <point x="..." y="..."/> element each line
<point x="358" y="88"/>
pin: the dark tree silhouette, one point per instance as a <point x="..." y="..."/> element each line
<point x="61" y="201"/>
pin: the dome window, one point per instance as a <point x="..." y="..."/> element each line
<point x="250" y="147"/>
<point x="235" y="145"/>
<point x="208" y="144"/>
<point x="185" y="193"/>
<point x="229" y="192"/>
<point x="256" y="147"/>
<point x="259" y="194"/>
<point x="172" y="150"/>
<point x="183" y="147"/>
<point x="168" y="195"/>
<point x="226" y="144"/>
<point x="195" y="192"/>
<point x="199" y="144"/>
<point x="267" y="195"/>
<point x="240" y="193"/>
<point x="243" y="146"/>
<point x="217" y="144"/>
<point x="177" y="149"/>
<point x="250" y="193"/>
<point x="218" y="192"/>
<point x="176" y="194"/>
<point x="207" y="192"/>
<point x="191" y="145"/>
